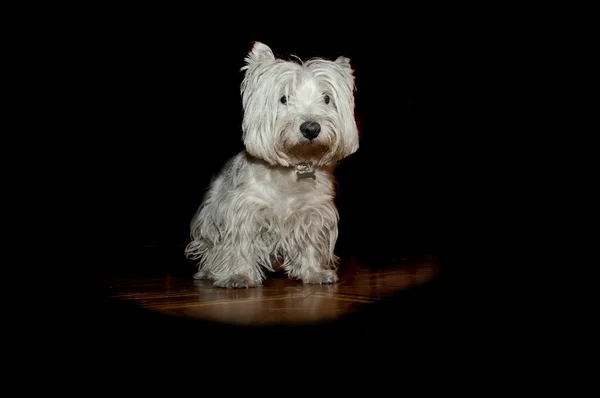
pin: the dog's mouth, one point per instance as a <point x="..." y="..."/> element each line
<point x="308" y="150"/>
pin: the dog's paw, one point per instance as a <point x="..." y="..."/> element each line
<point x="321" y="277"/>
<point x="201" y="275"/>
<point x="236" y="282"/>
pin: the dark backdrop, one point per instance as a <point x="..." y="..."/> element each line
<point x="162" y="112"/>
<point x="156" y="111"/>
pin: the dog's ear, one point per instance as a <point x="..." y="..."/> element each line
<point x="344" y="62"/>
<point x="260" y="52"/>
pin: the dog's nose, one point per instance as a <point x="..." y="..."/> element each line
<point x="310" y="129"/>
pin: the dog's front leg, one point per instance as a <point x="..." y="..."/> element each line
<point x="316" y="268"/>
<point x="314" y="261"/>
<point x="233" y="260"/>
<point x="240" y="270"/>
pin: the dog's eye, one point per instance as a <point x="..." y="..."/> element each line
<point x="326" y="98"/>
<point x="283" y="100"/>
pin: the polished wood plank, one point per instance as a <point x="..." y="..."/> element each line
<point x="280" y="300"/>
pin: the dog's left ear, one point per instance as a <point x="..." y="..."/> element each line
<point x="344" y="62"/>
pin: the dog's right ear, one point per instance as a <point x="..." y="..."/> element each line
<point x="260" y="52"/>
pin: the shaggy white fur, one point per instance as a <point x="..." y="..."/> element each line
<point x="274" y="201"/>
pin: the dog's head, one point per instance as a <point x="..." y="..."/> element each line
<point x="298" y="111"/>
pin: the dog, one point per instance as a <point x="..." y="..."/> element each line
<point x="273" y="203"/>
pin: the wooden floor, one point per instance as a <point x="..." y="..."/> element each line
<point x="280" y="300"/>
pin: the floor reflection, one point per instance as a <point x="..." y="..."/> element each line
<point x="279" y="300"/>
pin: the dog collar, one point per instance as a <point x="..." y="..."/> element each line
<point x="304" y="170"/>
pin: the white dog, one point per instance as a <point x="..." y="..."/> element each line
<point x="273" y="202"/>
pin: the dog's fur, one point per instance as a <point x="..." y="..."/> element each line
<point x="258" y="210"/>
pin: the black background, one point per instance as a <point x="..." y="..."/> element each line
<point x="156" y="111"/>
<point x="165" y="113"/>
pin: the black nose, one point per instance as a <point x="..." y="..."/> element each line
<point x="310" y="129"/>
